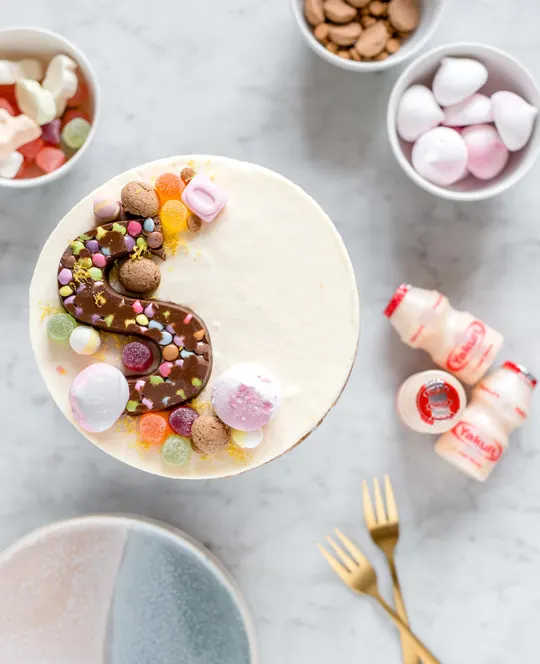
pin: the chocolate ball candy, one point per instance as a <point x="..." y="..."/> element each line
<point x="210" y="434"/>
<point x="140" y="198"/>
<point x="139" y="276"/>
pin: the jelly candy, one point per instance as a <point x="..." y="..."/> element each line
<point x="153" y="428"/>
<point x="174" y="217"/>
<point x="51" y="132"/>
<point x="181" y="419"/>
<point x="30" y="150"/>
<point x="80" y="96"/>
<point x="7" y="106"/>
<point x="176" y="451"/>
<point x="49" y="159"/>
<point x="60" y="327"/>
<point x="75" y="133"/>
<point x="169" y="187"/>
<point x="137" y="356"/>
<point x="73" y="113"/>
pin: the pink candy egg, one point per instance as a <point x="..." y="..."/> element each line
<point x="246" y="397"/>
<point x="488" y="155"/>
<point x="106" y="209"/>
<point x="440" y="156"/>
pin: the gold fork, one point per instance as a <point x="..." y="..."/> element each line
<point x="383" y="525"/>
<point x="358" y="574"/>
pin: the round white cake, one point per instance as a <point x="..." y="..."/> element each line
<point x="272" y="281"/>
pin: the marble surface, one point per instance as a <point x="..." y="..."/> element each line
<point x="235" y="78"/>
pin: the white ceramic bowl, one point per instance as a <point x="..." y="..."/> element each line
<point x="26" y="42"/>
<point x="505" y="73"/>
<point x="431" y="11"/>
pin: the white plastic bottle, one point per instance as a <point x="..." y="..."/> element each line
<point x="500" y="403"/>
<point x="431" y="401"/>
<point x="456" y="340"/>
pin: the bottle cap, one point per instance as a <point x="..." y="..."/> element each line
<point x="520" y="369"/>
<point x="396" y="300"/>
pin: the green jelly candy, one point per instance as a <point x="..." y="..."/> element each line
<point x="75" y="133"/>
<point x="176" y="451"/>
<point x="60" y="327"/>
<point x="95" y="273"/>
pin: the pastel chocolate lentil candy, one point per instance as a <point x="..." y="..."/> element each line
<point x="86" y="293"/>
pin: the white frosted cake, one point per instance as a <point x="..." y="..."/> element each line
<point x="250" y="319"/>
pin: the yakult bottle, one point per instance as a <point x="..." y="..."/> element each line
<point x="431" y="401"/>
<point x="456" y="340"/>
<point x="500" y="403"/>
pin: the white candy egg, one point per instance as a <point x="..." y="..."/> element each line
<point x="85" y="340"/>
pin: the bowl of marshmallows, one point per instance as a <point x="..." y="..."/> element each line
<point x="462" y="121"/>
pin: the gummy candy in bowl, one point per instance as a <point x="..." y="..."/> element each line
<point x="206" y="305"/>
<point x="49" y="106"/>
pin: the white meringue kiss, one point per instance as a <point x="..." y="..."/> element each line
<point x="514" y="119"/>
<point x="474" y="110"/>
<point x="458" y="78"/>
<point x="488" y="155"/>
<point x="440" y="156"/>
<point x="417" y="113"/>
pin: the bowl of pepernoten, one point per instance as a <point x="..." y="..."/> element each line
<point x="49" y="106"/>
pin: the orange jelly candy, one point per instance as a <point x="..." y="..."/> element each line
<point x="49" y="159"/>
<point x="30" y="150"/>
<point x="154" y="428"/>
<point x="169" y="187"/>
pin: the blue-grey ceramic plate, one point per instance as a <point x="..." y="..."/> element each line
<point x="119" y="590"/>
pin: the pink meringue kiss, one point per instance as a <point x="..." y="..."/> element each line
<point x="246" y="397"/>
<point x="514" y="119"/>
<point x="474" y="110"/>
<point x="488" y="155"/>
<point x="440" y="156"/>
<point x="417" y="113"/>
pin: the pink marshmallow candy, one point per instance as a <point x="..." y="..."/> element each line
<point x="488" y="155"/>
<point x="440" y="156"/>
<point x="246" y="397"/>
<point x="204" y="198"/>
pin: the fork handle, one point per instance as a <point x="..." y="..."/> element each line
<point x="427" y="656"/>
<point x="410" y="655"/>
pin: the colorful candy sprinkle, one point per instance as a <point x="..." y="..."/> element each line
<point x="170" y="353"/>
<point x="166" y="338"/>
<point x="153" y="428"/>
<point x="137" y="307"/>
<point x="154" y="323"/>
<point x="149" y="225"/>
<point x="134" y="228"/>
<point x="92" y="245"/>
<point x="137" y="356"/>
<point x="65" y="291"/>
<point x="99" y="260"/>
<point x="95" y="273"/>
<point x="65" y="276"/>
<point x="75" y="133"/>
<point x="141" y="319"/>
<point x="165" y="369"/>
<point x="60" y="327"/>
<point x="181" y="420"/>
<point x="176" y="451"/>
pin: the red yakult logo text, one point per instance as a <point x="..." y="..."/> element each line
<point x="460" y="356"/>
<point x="469" y="434"/>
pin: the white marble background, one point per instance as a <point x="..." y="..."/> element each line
<point x="234" y="78"/>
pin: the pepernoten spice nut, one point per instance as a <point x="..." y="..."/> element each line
<point x="362" y="30"/>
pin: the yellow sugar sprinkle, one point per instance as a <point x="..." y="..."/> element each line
<point x="237" y="454"/>
<point x="99" y="299"/>
<point x="61" y="370"/>
<point x="48" y="309"/>
<point x="139" y="253"/>
<point x="80" y="273"/>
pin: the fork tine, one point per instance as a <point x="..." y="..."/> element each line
<point x="334" y="564"/>
<point x="345" y="559"/>
<point x="379" y="503"/>
<point x="369" y="515"/>
<point x="391" y="506"/>
<point x="352" y="548"/>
